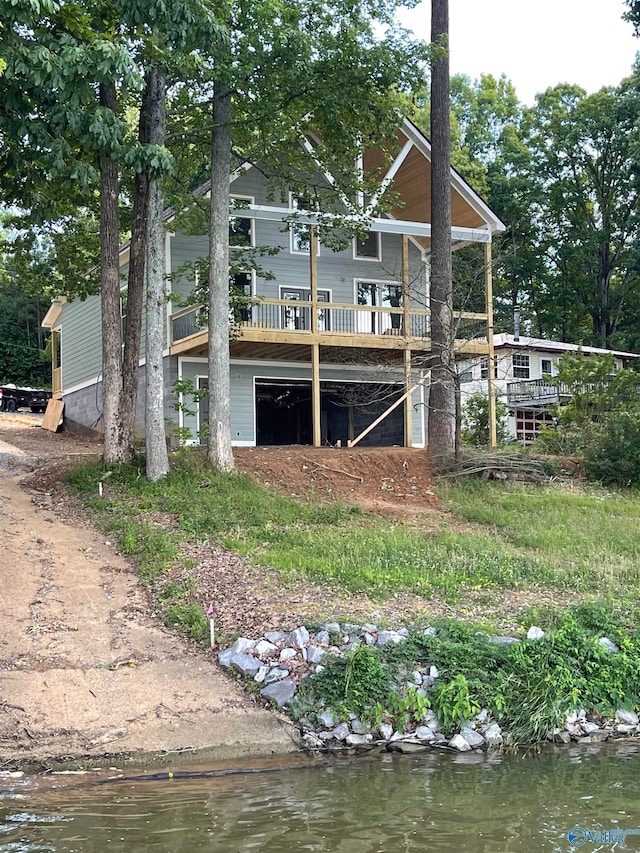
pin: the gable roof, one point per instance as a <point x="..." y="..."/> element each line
<point x="412" y="181"/>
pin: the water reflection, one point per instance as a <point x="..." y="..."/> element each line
<point x="381" y="804"/>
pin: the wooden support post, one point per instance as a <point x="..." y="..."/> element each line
<point x="406" y="327"/>
<point x="315" y="393"/>
<point x="313" y="276"/>
<point x="408" y="403"/>
<point x="491" y="381"/>
<point x="406" y="320"/>
<point x="315" y="346"/>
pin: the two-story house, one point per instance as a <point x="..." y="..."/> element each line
<point x="328" y="340"/>
<point x="523" y="366"/>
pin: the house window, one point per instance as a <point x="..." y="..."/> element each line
<point x="520" y="362"/>
<point x="297" y="316"/>
<point x="241" y="291"/>
<point x="240" y="227"/>
<point x="367" y="248"/>
<point x="386" y="294"/>
<point x="466" y="376"/>
<point x="484" y="368"/>
<point x="300" y="238"/>
<point x="546" y="366"/>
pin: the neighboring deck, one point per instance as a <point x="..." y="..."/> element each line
<point x="290" y="325"/>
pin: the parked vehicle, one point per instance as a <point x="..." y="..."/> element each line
<point x="13" y="398"/>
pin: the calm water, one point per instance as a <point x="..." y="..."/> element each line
<point x="388" y="804"/>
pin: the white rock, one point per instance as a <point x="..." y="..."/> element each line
<point x="261" y="674"/>
<point x="459" y="743"/>
<point x="315" y="654"/>
<point x="535" y="633"/>
<point x="630" y="718"/>
<point x="264" y="647"/>
<point x="341" y="731"/>
<point x="298" y="638"/>
<point x="424" y="733"/>
<point x="242" y="644"/>
<point x="276" y="674"/>
<point x="385" y="637"/>
<point x="386" y="731"/>
<point x="609" y="645"/>
<point x="287" y="654"/>
<point x="473" y="738"/>
<point x="358" y="740"/>
<point x="327" y="719"/>
<point x="493" y="735"/>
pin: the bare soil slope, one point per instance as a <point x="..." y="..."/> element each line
<point x="386" y="479"/>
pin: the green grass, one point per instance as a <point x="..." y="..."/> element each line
<point x="592" y="533"/>
<point x="518" y="537"/>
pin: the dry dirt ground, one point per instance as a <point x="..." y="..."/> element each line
<point x="87" y="669"/>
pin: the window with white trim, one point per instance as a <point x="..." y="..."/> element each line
<point x="241" y="293"/>
<point x="241" y="231"/>
<point x="520" y="363"/>
<point x="299" y="235"/>
<point x="546" y="366"/>
<point x="368" y="248"/>
<point x="484" y="368"/>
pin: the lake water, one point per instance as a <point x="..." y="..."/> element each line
<point x="368" y="804"/>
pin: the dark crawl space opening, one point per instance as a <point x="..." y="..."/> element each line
<point x="283" y="412"/>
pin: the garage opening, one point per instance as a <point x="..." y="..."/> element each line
<point x="284" y="412"/>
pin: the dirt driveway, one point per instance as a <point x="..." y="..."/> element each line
<point x="87" y="669"/>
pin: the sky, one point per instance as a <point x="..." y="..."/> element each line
<point x="536" y="44"/>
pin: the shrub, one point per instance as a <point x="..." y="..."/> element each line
<point x="475" y="421"/>
<point x="614" y="457"/>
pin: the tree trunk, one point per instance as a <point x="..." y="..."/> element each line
<point x="442" y="408"/>
<point x="219" y="453"/>
<point x="110" y="295"/>
<point x="155" y="438"/>
<point x="135" y="289"/>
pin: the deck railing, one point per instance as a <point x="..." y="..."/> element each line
<point x="537" y="391"/>
<point x="333" y="318"/>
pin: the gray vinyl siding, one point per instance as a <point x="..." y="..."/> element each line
<point x="81" y="342"/>
<point x="337" y="271"/>
<point x="83" y="408"/>
<point x="184" y="250"/>
<point x="243" y="401"/>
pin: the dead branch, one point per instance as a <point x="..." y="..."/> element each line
<point x="335" y="470"/>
